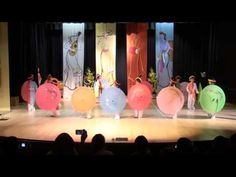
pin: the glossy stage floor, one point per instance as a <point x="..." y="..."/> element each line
<point x="155" y="126"/>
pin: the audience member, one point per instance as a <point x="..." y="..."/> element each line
<point x="98" y="146"/>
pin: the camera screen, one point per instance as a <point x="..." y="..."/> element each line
<point x="78" y="132"/>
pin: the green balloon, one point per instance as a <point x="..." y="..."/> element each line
<point x="212" y="99"/>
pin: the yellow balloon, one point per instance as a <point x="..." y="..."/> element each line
<point x="83" y="99"/>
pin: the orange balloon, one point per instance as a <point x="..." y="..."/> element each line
<point x="83" y="99"/>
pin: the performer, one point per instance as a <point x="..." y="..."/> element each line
<point x="138" y="113"/>
<point x="100" y="84"/>
<point x="54" y="80"/>
<point x="87" y="83"/>
<point x="172" y="83"/>
<point x="116" y="84"/>
<point x="100" y="88"/>
<point x="39" y="77"/>
<point x="211" y="81"/>
<point x="192" y="91"/>
<point x="203" y="79"/>
<point x="55" y="113"/>
<point x="32" y="90"/>
<point x="49" y="79"/>
<point x="177" y="80"/>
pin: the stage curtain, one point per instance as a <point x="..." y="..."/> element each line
<point x="4" y="69"/>
<point x="195" y="50"/>
<point x="33" y="45"/>
<point x="151" y="53"/>
<point x="208" y="47"/>
<point x="121" y="62"/>
<point x="89" y="47"/>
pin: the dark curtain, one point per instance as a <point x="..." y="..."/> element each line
<point x="195" y="50"/>
<point x="89" y="47"/>
<point x="226" y="37"/>
<point x="208" y="47"/>
<point x="33" y="45"/>
<point x="121" y="62"/>
<point x="151" y="52"/>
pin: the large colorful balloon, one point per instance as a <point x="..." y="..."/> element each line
<point x="112" y="100"/>
<point x="48" y="96"/>
<point x="148" y="85"/>
<point x="25" y="91"/>
<point x="105" y="83"/>
<point x="139" y="97"/>
<point x="212" y="99"/>
<point x="183" y="88"/>
<point x="83" y="99"/>
<point x="170" y="100"/>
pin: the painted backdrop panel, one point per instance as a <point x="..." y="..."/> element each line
<point x="73" y="57"/>
<point x="136" y="52"/>
<point x="106" y="51"/>
<point x="164" y="53"/>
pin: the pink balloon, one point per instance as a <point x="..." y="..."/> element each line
<point x="48" y="96"/>
<point x="139" y="97"/>
<point x="25" y="91"/>
<point x="170" y="100"/>
<point x="148" y="85"/>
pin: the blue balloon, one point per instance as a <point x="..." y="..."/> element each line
<point x="112" y="100"/>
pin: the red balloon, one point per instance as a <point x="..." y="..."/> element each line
<point x="148" y="85"/>
<point x="139" y="97"/>
<point x="170" y="100"/>
<point x="25" y="91"/>
<point x="48" y="96"/>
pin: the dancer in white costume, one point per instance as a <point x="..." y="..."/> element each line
<point x="211" y="81"/>
<point x="100" y="84"/>
<point x="138" y="113"/>
<point x="55" y="113"/>
<point x="32" y="90"/>
<point x="116" y="84"/>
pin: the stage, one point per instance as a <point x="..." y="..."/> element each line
<point x="156" y="127"/>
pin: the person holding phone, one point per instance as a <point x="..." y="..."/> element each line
<point x="211" y="81"/>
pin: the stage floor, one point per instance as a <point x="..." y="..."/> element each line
<point x="156" y="127"/>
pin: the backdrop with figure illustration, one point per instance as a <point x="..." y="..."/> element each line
<point x="105" y="50"/>
<point x="136" y="52"/>
<point x="164" y="53"/>
<point x="73" y="57"/>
